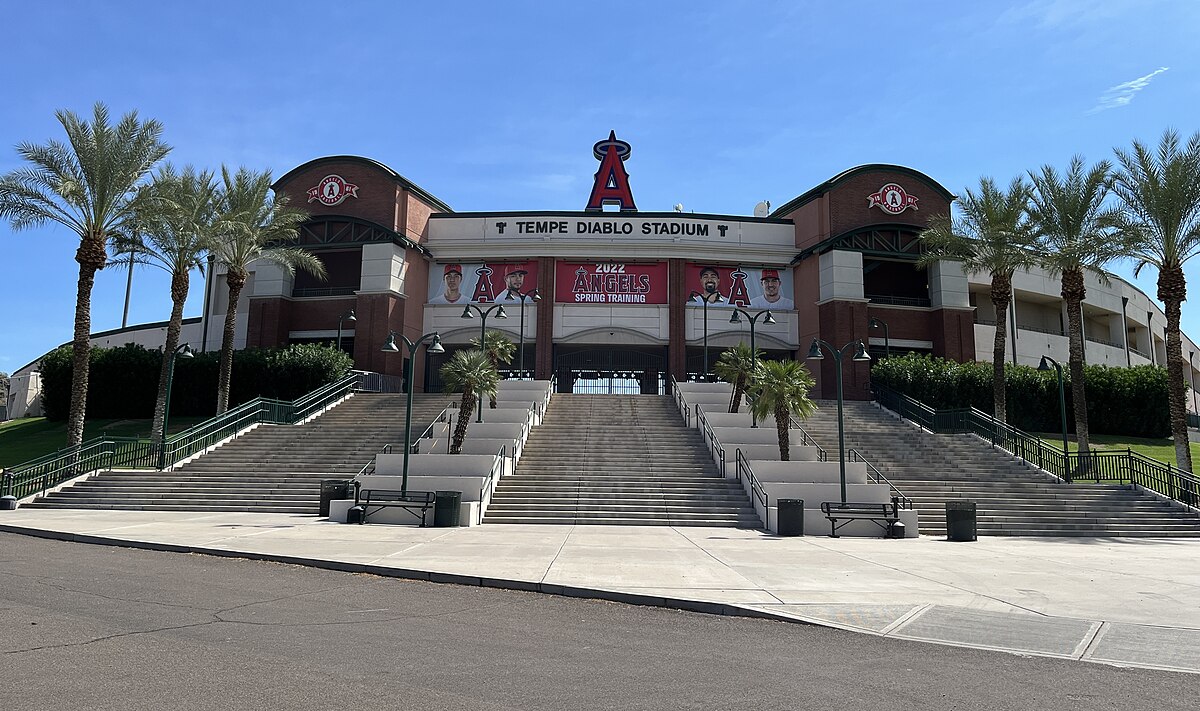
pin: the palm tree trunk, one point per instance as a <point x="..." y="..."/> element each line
<point x="1073" y="293"/>
<point x="179" y="292"/>
<point x="466" y="408"/>
<point x="236" y="282"/>
<point x="1172" y="290"/>
<point x="735" y="401"/>
<point x="91" y="257"/>
<point x="81" y="347"/>
<point x="1001" y="298"/>
<point x="782" y="421"/>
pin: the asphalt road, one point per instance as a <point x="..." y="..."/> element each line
<point x="94" y="627"/>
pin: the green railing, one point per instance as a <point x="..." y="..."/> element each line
<point x="37" y="476"/>
<point x="1119" y="466"/>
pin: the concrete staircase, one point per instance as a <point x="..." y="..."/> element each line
<point x="618" y="459"/>
<point x="1012" y="497"/>
<point x="271" y="469"/>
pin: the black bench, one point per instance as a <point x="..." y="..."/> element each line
<point x="374" y="500"/>
<point x="882" y="515"/>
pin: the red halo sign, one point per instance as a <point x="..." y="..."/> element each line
<point x="892" y="199"/>
<point x="332" y="190"/>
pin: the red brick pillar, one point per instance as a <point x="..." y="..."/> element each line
<point x="676" y="318"/>
<point x="544" y="339"/>
<point x="376" y="315"/>
<point x="843" y="322"/>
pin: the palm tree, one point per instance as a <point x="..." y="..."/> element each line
<point x="174" y="226"/>
<point x="991" y="235"/>
<point x="1161" y="195"/>
<point x="1076" y="230"/>
<point x="251" y="226"/>
<point x="736" y="365"/>
<point x="472" y="372"/>
<point x="89" y="186"/>
<point x="499" y="349"/>
<point x="781" y="389"/>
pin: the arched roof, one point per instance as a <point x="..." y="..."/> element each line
<point x="845" y="175"/>
<point x="400" y="179"/>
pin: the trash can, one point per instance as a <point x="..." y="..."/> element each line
<point x="8" y="503"/>
<point x="333" y="489"/>
<point x="960" y="520"/>
<point x="790" y="519"/>
<point x="445" y="508"/>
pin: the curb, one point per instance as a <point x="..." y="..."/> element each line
<point x="670" y="603"/>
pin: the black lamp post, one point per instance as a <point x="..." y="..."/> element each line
<point x="435" y="346"/>
<point x="1047" y="361"/>
<point x="532" y="295"/>
<point x="735" y="318"/>
<point x="483" y="317"/>
<point x="860" y="356"/>
<point x="692" y="297"/>
<point x="184" y="351"/>
<point x="887" y="344"/>
<point x="348" y="317"/>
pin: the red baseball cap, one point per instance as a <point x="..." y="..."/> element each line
<point x="515" y="269"/>
<point x="770" y="274"/>
<point x="453" y="268"/>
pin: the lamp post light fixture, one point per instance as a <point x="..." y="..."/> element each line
<point x="860" y="356"/>
<point x="703" y="298"/>
<point x="887" y="343"/>
<point x="348" y="317"/>
<point x="435" y="346"/>
<point x="184" y="351"/>
<point x="483" y="317"/>
<point x="532" y="295"/>
<point x="769" y="320"/>
<point x="1047" y="361"/>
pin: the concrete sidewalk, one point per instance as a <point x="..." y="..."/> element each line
<point x="1124" y="601"/>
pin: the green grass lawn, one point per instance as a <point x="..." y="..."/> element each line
<point x="1160" y="449"/>
<point x="31" y="437"/>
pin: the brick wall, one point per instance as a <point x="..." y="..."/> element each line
<point x="849" y="204"/>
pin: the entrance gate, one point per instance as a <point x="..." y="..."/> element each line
<point x="609" y="371"/>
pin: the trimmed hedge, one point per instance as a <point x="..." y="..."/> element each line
<point x="1121" y="401"/>
<point x="123" y="382"/>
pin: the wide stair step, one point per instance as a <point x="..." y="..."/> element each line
<point x="270" y="469"/>
<point x="1012" y="497"/>
<point x="618" y="460"/>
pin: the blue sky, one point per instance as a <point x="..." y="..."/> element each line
<point x="495" y="106"/>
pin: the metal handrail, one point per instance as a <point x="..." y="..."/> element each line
<point x="681" y="403"/>
<point x="806" y="439"/>
<point x="1039" y="329"/>
<point x="1104" y="342"/>
<point x="38" y="475"/>
<point x="414" y="444"/>
<point x="489" y="485"/>
<point x="756" y="488"/>
<point x="706" y="433"/>
<point x="876" y="477"/>
<point x="369" y="468"/>
<point x="1096" y="466"/>
<point x="52" y="469"/>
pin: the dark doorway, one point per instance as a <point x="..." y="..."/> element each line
<point x="603" y="370"/>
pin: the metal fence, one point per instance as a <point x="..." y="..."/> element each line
<point x="1115" y="466"/>
<point x="103" y="453"/>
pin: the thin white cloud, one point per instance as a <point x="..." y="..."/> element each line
<point x="1054" y="14"/>
<point x="1121" y="94"/>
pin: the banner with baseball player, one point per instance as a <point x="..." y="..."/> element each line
<point x="746" y="287"/>
<point x="481" y="283"/>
